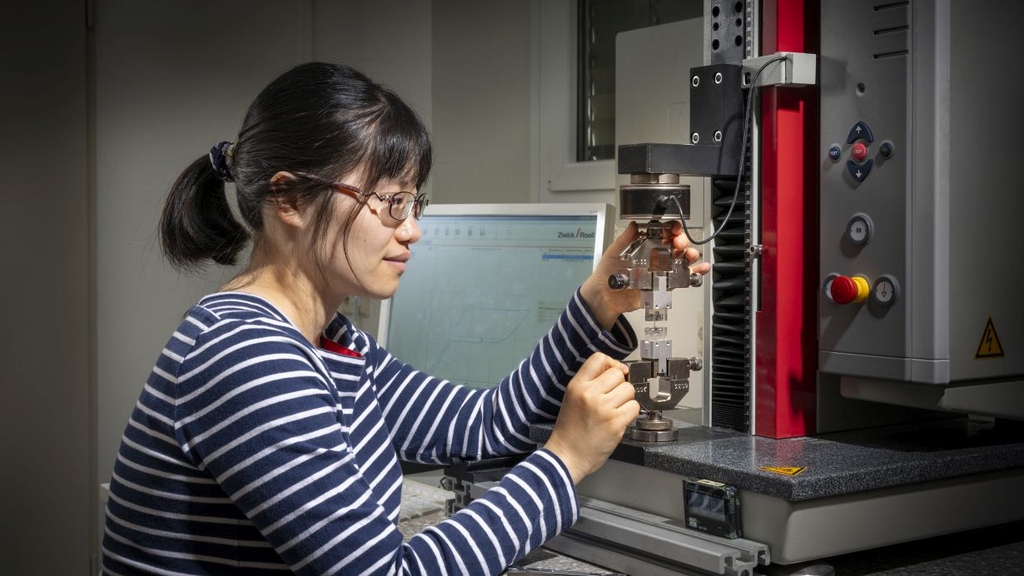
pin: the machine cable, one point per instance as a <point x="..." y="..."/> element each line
<point x="747" y="121"/>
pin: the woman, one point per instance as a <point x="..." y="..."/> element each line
<point x="268" y="436"/>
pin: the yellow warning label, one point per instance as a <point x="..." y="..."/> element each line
<point x="989" y="347"/>
<point x="786" y="470"/>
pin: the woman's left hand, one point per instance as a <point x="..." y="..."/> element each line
<point x="606" y="303"/>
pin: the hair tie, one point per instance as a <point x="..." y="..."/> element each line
<point x="220" y="158"/>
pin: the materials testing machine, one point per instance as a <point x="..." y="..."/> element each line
<point x="862" y="355"/>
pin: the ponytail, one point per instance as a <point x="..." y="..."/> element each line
<point x="317" y="118"/>
<point x="196" y="224"/>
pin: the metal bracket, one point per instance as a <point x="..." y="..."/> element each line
<point x="798" y="69"/>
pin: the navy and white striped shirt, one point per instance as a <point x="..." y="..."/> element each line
<point x="250" y="451"/>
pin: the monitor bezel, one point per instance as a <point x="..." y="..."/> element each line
<point x="605" y="228"/>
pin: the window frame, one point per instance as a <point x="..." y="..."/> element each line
<point x="560" y="172"/>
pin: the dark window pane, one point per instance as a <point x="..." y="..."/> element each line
<point x="599" y="22"/>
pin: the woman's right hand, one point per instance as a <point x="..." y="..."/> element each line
<point x="599" y="403"/>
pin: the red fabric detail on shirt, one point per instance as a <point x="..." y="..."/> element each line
<point x="332" y="346"/>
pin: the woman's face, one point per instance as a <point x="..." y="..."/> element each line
<point x="376" y="245"/>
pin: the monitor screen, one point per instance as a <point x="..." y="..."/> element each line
<point x="486" y="282"/>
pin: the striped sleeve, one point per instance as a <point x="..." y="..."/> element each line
<point x="535" y="501"/>
<point x="261" y="422"/>
<point x="433" y="421"/>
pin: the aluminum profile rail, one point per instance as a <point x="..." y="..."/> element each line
<point x="635" y="542"/>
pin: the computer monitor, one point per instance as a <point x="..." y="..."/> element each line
<point x="487" y="281"/>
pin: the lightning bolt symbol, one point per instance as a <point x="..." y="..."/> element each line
<point x="989" y="347"/>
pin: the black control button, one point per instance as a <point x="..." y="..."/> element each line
<point x="859" y="171"/>
<point x="886" y="148"/>
<point x="860" y="131"/>
<point x="835" y="152"/>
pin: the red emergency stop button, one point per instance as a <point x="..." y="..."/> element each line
<point x="859" y="151"/>
<point x="845" y="289"/>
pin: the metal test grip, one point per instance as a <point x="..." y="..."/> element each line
<point x="676" y="379"/>
<point x="659" y="380"/>
<point x="648" y="266"/>
<point x="670" y="379"/>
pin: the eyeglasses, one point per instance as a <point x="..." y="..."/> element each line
<point x="400" y="204"/>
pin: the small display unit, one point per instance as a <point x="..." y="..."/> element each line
<point x="712" y="507"/>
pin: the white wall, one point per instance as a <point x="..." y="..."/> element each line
<point x="389" y="40"/>
<point x="482" y="102"/>
<point x="45" y="401"/>
<point x="465" y="66"/>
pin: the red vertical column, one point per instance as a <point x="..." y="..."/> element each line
<point x="786" y="331"/>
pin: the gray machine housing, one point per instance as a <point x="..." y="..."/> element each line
<point x="937" y="219"/>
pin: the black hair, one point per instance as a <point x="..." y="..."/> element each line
<point x="317" y="118"/>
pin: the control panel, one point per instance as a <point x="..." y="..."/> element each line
<point x="919" y="203"/>
<point x="865" y="187"/>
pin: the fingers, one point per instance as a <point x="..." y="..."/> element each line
<point x="612" y="384"/>
<point x="623" y="240"/>
<point x="702" y="268"/>
<point x="681" y="247"/>
<point x="599" y="404"/>
<point x="679" y="241"/>
<point x="691" y="255"/>
<point x="621" y="394"/>
<point x="628" y="411"/>
<point x="598" y="363"/>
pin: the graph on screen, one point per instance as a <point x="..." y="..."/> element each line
<point x="486" y="282"/>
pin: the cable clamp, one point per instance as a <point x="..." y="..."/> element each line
<point x="788" y="69"/>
